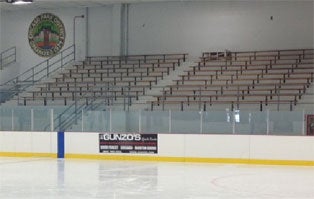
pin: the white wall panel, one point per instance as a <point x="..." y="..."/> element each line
<point x="248" y="147"/>
<point x="217" y="146"/>
<point x="81" y="143"/>
<point x="28" y="142"/>
<point x="282" y="148"/>
<point x="171" y="145"/>
<point x="210" y="146"/>
<point x="44" y="142"/>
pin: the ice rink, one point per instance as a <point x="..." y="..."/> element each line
<point x="57" y="178"/>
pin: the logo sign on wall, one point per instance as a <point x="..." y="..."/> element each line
<point x="46" y="35"/>
<point x="128" y="143"/>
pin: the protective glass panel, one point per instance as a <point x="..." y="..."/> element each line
<point x="125" y="121"/>
<point x="285" y="123"/>
<point x="218" y="122"/>
<point x="185" y="122"/>
<point x="155" y="121"/>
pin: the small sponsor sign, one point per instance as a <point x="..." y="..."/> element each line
<point x="128" y="143"/>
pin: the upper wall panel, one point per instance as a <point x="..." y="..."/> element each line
<point x="194" y="27"/>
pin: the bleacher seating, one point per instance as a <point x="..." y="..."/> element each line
<point x="107" y="78"/>
<point x="236" y="79"/>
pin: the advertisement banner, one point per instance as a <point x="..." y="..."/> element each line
<point x="128" y="143"/>
<point x="310" y="125"/>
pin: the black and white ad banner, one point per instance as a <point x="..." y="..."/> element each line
<point x="128" y="143"/>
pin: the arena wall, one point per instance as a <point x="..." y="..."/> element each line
<point x="170" y="27"/>
<point x="247" y="149"/>
<point x="0" y="31"/>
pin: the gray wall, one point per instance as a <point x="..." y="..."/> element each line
<point x="0" y="31"/>
<point x="170" y="27"/>
<point x="14" y="31"/>
<point x="194" y="27"/>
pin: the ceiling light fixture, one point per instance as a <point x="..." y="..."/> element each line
<point x="19" y="2"/>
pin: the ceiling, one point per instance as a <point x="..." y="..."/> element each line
<point x="55" y="4"/>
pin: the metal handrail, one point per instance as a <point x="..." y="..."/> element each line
<point x="72" y="111"/>
<point x="7" y="57"/>
<point x="38" y="72"/>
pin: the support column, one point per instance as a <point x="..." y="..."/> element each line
<point x="124" y="30"/>
<point x="60" y="144"/>
<point x="116" y="29"/>
<point x="120" y="29"/>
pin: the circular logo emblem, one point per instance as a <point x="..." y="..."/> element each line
<point x="46" y="35"/>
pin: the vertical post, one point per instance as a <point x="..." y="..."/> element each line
<point x="74" y="52"/>
<point x="250" y="123"/>
<point x="163" y="99"/>
<point x="303" y="122"/>
<point x="170" y="122"/>
<point x="32" y="119"/>
<point x="75" y="99"/>
<point x="87" y="31"/>
<point x="233" y="123"/>
<point x="12" y="119"/>
<point x="238" y="97"/>
<point x="82" y="120"/>
<point x="0" y="61"/>
<point x="201" y="121"/>
<point x="200" y="99"/>
<point x="267" y="122"/>
<point x="110" y="120"/>
<point x="47" y="62"/>
<point x="140" y="122"/>
<point x="129" y="99"/>
<point x="124" y="98"/>
<point x="61" y="144"/>
<point x="278" y="100"/>
<point x="74" y="19"/>
<point x="51" y="120"/>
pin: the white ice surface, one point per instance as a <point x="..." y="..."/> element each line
<point x="78" y="179"/>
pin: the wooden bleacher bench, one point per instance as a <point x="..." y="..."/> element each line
<point x="108" y="71"/>
<point x="267" y="53"/>
<point x="138" y="58"/>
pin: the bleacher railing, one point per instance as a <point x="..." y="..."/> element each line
<point x="140" y="58"/>
<point x="72" y="113"/>
<point x="7" y="57"/>
<point x="35" y="74"/>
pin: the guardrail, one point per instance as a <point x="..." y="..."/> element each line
<point x="7" y="57"/>
<point x="35" y="74"/>
<point x="67" y="118"/>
